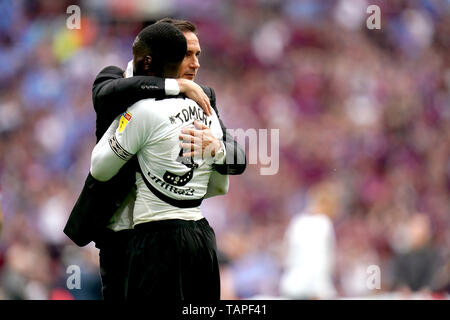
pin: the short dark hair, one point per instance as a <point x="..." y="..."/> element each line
<point x="183" y="25"/>
<point x="163" y="42"/>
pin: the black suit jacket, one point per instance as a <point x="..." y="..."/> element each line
<point x="98" y="201"/>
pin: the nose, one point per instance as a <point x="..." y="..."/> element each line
<point x="195" y="64"/>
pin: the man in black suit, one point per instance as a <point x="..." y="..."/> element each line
<point x="112" y="95"/>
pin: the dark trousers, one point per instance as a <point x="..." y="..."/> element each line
<point x="173" y="260"/>
<point x="114" y="263"/>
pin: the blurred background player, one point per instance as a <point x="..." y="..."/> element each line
<point x="311" y="248"/>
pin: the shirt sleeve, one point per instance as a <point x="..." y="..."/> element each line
<point x="104" y="162"/>
<point x="133" y="130"/>
<point x="171" y="86"/>
<point x="124" y="138"/>
<point x="129" y="69"/>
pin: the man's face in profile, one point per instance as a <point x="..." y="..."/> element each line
<point x="189" y="66"/>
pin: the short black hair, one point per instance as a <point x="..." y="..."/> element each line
<point x="183" y="25"/>
<point x="164" y="42"/>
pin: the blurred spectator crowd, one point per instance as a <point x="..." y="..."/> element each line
<point x="364" y="120"/>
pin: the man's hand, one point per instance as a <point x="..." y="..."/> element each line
<point x="195" y="92"/>
<point x="199" y="142"/>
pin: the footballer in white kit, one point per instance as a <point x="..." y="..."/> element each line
<point x="168" y="186"/>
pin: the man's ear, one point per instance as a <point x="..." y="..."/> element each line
<point x="147" y="62"/>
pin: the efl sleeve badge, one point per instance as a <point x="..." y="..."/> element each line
<point x="124" y="119"/>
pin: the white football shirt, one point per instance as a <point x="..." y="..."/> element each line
<point x="151" y="128"/>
